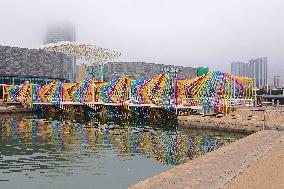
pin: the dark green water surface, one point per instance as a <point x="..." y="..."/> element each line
<point x="61" y="151"/>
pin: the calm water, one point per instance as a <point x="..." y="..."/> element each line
<point x="47" y="151"/>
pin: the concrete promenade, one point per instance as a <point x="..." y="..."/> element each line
<point x="218" y="168"/>
<point x="268" y="172"/>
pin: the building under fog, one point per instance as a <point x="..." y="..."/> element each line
<point x="62" y="31"/>
<point x="57" y="32"/>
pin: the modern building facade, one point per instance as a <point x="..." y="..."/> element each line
<point x="135" y="70"/>
<point x="255" y="68"/>
<point x="143" y="70"/>
<point x="62" y="31"/>
<point x="38" y="66"/>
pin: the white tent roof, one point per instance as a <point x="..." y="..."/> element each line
<point x="90" y="53"/>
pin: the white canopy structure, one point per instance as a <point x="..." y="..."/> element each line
<point x="90" y="53"/>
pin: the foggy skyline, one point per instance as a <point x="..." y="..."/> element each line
<point x="188" y="33"/>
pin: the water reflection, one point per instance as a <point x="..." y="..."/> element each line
<point x="60" y="145"/>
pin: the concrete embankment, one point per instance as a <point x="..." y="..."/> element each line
<point x="219" y="167"/>
<point x="243" y="120"/>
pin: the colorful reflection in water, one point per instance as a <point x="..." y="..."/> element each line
<point x="55" y="147"/>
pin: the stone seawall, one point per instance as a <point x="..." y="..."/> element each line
<point x="242" y="120"/>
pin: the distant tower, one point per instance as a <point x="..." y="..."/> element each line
<point x="257" y="68"/>
<point x="239" y="69"/>
<point x="57" y="32"/>
<point x="62" y="31"/>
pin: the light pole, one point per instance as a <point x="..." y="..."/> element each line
<point x="174" y="71"/>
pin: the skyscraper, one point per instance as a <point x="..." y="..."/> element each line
<point x="57" y="32"/>
<point x="62" y="31"/>
<point x="239" y="69"/>
<point x="257" y="68"/>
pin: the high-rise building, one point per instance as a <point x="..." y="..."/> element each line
<point x="276" y="81"/>
<point x="257" y="68"/>
<point x="62" y="31"/>
<point x="57" y="32"/>
<point x="239" y="69"/>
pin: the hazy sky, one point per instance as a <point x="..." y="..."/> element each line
<point x="182" y="32"/>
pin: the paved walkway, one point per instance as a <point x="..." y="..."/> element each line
<point x="268" y="172"/>
<point x="219" y="167"/>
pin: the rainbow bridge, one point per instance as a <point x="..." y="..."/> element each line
<point x="216" y="91"/>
